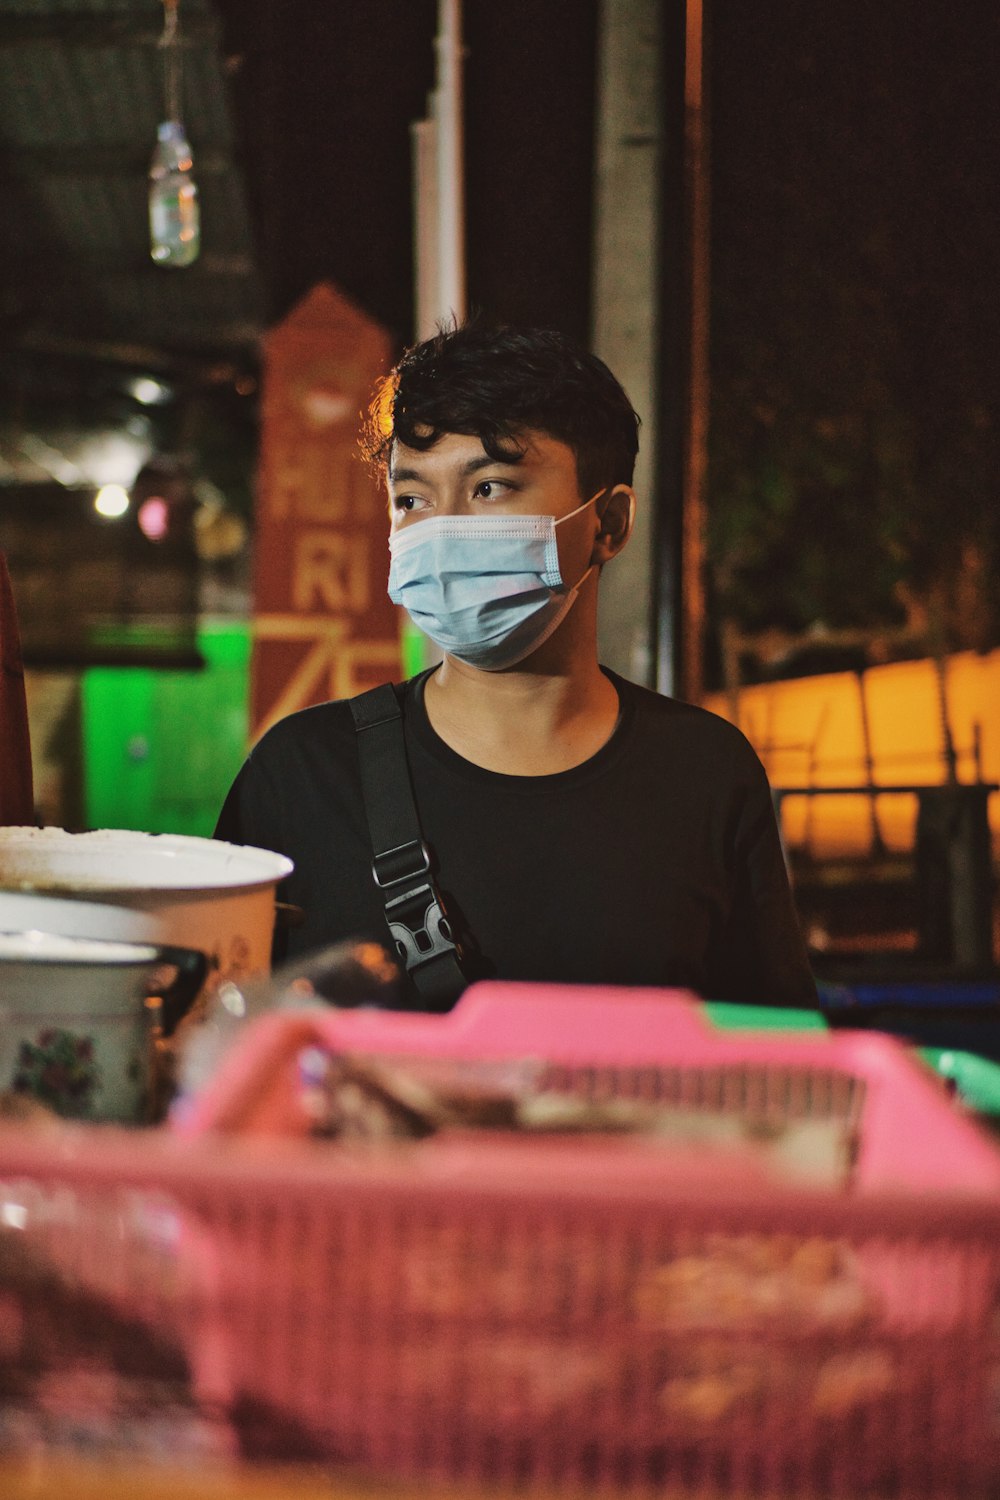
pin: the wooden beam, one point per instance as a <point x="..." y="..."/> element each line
<point x="149" y="358"/>
<point x="102" y="28"/>
<point x="125" y="160"/>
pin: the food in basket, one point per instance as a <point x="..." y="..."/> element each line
<point x="852" y="1379"/>
<point x="79" y="1377"/>
<point x="368" y="1098"/>
<point x="522" y="1330"/>
<point x="356" y="1097"/>
<point x="714" y="1379"/>
<point x="83" y="1375"/>
<point x="348" y="1100"/>
<point x="496" y="1275"/>
<point x="507" y="1378"/>
<point x="740" y="1280"/>
<point x="17" y="1108"/>
<point x="710" y="1380"/>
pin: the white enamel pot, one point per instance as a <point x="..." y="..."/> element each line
<point x="200" y="895"/>
<point x="74" y="1024"/>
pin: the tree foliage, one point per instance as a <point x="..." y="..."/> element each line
<point x="854" y="440"/>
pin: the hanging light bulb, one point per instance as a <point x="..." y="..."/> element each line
<point x="174" y="216"/>
<point x="111" y="501"/>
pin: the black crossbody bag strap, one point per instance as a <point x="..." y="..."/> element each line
<point x="401" y="867"/>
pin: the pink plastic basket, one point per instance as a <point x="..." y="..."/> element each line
<point x="636" y="1042"/>
<point x="561" y="1317"/>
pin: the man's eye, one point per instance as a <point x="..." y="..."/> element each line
<point x="491" y="489"/>
<point x="407" y="503"/>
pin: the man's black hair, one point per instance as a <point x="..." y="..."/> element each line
<point x="497" y="383"/>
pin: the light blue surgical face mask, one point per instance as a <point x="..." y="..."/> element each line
<point x="487" y="589"/>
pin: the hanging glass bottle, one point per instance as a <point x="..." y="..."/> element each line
<point x="174" y="229"/>
<point x="174" y="215"/>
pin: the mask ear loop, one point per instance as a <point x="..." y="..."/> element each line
<point x="631" y="522"/>
<point x="569" y="516"/>
<point x="603" y="491"/>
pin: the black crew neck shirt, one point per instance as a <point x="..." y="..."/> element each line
<point x="655" y="862"/>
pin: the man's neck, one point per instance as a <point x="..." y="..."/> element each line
<point x="532" y="722"/>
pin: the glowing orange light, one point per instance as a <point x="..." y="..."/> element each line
<point x="809" y="731"/>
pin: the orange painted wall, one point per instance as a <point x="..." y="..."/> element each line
<point x="808" y="732"/>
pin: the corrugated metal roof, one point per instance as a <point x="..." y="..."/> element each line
<point x="81" y="93"/>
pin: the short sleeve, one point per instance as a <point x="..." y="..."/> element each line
<point x="762" y="957"/>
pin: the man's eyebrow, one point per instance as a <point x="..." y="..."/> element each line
<point x="486" y="462"/>
<point x="398" y="474"/>
<point x="471" y="466"/>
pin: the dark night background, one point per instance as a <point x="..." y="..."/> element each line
<point x="325" y="96"/>
<point x="853" y="439"/>
<point x="854" y="316"/>
<point x="853" y="436"/>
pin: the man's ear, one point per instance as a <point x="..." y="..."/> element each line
<point x="616" y="517"/>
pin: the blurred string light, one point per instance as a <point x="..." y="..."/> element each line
<point x="154" y="518"/>
<point x="51" y="460"/>
<point x="219" y="534"/>
<point x="111" y="501"/>
<point x="149" y="392"/>
<point x="98" y="460"/>
<point x="174" y="216"/>
<point x="164" y="503"/>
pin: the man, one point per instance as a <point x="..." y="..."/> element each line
<point x="582" y="828"/>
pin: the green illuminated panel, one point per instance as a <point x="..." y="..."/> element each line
<point x="162" y="747"/>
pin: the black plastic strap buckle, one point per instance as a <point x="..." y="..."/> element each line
<point x="419" y="926"/>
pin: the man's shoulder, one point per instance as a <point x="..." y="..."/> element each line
<point x="699" y="729"/>
<point x="329" y="724"/>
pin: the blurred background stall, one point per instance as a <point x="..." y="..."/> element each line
<point x="775" y="222"/>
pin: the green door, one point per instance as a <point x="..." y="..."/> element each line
<point x="161" y="747"/>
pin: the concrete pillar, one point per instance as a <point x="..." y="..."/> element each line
<point x="626" y="295"/>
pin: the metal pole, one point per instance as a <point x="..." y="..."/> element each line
<point x="696" y="454"/>
<point x="679" y="603"/>
<point x="626" y="295"/>
<point x="450" y="162"/>
<point x="423" y="134"/>
<point x="673" y="362"/>
<point x="438" y="225"/>
<point x="439" y="186"/>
